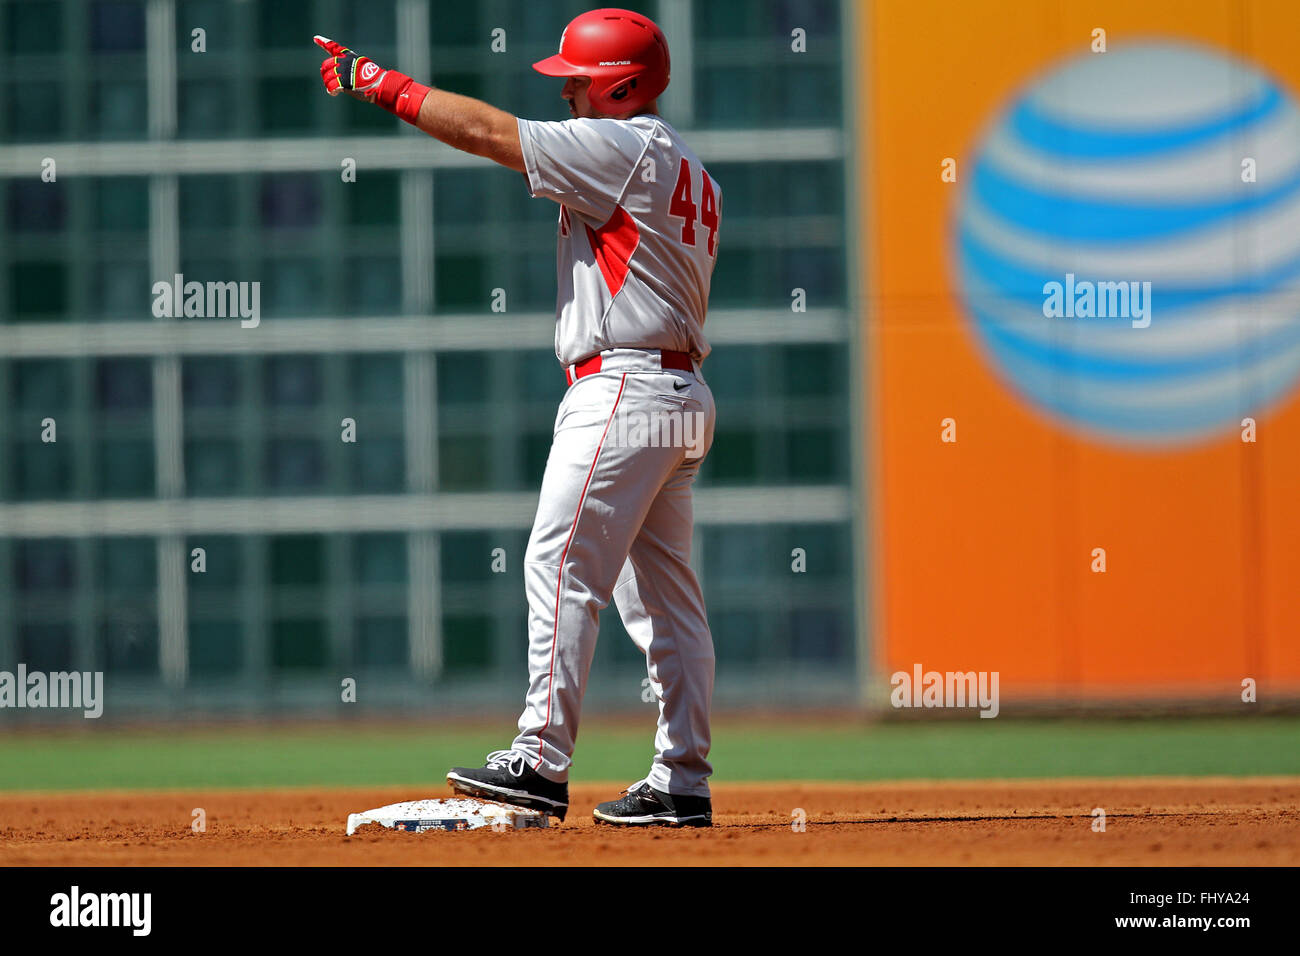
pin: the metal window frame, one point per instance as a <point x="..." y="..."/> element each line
<point x="421" y="512"/>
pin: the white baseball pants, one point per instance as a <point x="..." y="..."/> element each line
<point x="615" y="519"/>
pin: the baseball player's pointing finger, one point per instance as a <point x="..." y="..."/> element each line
<point x="329" y="46"/>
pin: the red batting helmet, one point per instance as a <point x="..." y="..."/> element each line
<point x="624" y="54"/>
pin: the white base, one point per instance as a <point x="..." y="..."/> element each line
<point x="461" y="813"/>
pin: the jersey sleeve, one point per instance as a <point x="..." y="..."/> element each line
<point x="583" y="163"/>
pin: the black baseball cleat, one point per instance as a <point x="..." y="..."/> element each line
<point x="507" y="778"/>
<point x="644" y="806"/>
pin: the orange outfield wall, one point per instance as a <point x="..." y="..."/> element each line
<point x="982" y="549"/>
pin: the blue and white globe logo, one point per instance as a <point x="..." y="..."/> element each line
<point x="1129" y="244"/>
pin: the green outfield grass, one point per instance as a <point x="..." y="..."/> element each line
<point x="375" y="755"/>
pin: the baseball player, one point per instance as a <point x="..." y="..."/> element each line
<point x="637" y="238"/>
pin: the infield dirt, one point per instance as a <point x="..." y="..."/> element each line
<point x="1148" y="822"/>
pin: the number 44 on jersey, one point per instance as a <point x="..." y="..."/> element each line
<point x="683" y="206"/>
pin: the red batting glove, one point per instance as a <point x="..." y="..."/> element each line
<point x="362" y="77"/>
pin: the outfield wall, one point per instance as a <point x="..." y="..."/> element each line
<point x="1075" y="433"/>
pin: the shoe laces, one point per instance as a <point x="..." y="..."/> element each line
<point x="642" y="788"/>
<point x="510" y="760"/>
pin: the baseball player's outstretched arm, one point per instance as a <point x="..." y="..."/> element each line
<point x="473" y="126"/>
<point x="460" y="121"/>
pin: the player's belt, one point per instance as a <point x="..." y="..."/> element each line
<point x="681" y="361"/>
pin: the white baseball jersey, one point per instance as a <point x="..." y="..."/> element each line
<point x="638" y="233"/>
